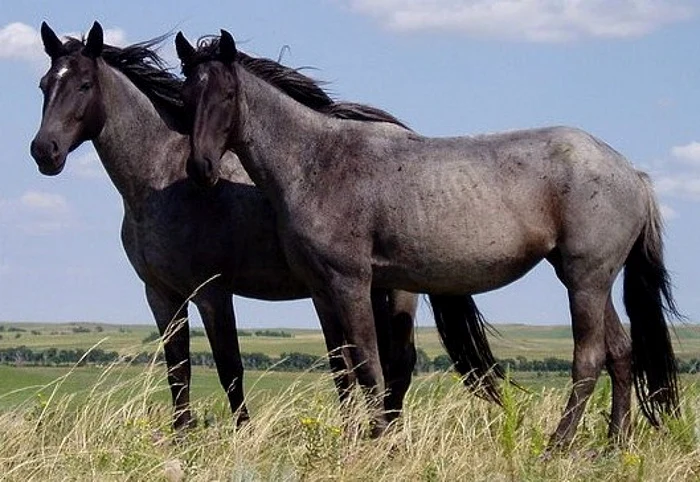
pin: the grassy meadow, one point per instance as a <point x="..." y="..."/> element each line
<point x="112" y="422"/>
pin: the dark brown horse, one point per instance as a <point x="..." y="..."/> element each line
<point x="176" y="235"/>
<point x="372" y="204"/>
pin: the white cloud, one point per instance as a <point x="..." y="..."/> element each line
<point x="531" y="20"/>
<point x="667" y="212"/>
<point x="19" y="41"/>
<point x="44" y="202"/>
<point x="689" y="153"/>
<point x="36" y="213"/>
<point x="685" y="185"/>
<point x="680" y="176"/>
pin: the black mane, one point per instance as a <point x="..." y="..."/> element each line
<point x="145" y="68"/>
<point x="292" y="82"/>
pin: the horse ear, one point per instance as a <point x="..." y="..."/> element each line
<point x="95" y="41"/>
<point x="184" y="49"/>
<point x="227" y="47"/>
<point x="52" y="44"/>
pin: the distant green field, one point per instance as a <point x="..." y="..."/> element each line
<point x="24" y="384"/>
<point x="27" y="385"/>
<point x="532" y="342"/>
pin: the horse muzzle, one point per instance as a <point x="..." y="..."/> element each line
<point x="49" y="156"/>
<point x="202" y="171"/>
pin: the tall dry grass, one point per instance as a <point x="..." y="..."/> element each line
<point x="119" y="433"/>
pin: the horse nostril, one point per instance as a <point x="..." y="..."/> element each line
<point x="54" y="146"/>
<point x="208" y="166"/>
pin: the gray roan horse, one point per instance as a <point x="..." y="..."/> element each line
<point x="175" y="234"/>
<point x="372" y="204"/>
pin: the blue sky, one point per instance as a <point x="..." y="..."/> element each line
<point x="625" y="70"/>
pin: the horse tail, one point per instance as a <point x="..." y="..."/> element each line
<point x="648" y="300"/>
<point x="462" y="330"/>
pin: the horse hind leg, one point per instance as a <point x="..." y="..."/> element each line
<point x="618" y="348"/>
<point x="589" y="292"/>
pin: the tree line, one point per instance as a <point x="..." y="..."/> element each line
<point x="292" y="361"/>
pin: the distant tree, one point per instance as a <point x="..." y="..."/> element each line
<point x="256" y="361"/>
<point x="274" y="333"/>
<point x="423" y="362"/>
<point x="296" y="361"/>
<point x="442" y="363"/>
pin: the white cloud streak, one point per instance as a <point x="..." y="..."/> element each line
<point x="36" y="213"/>
<point x="44" y="202"/>
<point x="530" y="20"/>
<point x="19" y="41"/>
<point x="668" y="213"/>
<point x="681" y="178"/>
<point x="689" y="153"/>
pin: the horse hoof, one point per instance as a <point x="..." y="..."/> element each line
<point x="378" y="428"/>
<point x="242" y="420"/>
<point x="184" y="423"/>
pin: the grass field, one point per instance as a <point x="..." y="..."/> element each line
<point x="530" y="341"/>
<point x="113" y="422"/>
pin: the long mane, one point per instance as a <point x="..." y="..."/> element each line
<point x="292" y="82"/>
<point x="143" y="66"/>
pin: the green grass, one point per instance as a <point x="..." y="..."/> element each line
<point x="113" y="422"/>
<point x="298" y="431"/>
<point x="20" y="384"/>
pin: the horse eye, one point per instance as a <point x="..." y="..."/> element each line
<point x="230" y="94"/>
<point x="85" y="86"/>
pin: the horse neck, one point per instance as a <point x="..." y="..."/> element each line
<point x="278" y="138"/>
<point x="137" y="148"/>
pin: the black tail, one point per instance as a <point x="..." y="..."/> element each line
<point x="462" y="330"/>
<point x="648" y="299"/>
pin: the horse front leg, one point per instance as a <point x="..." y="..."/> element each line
<point x="215" y="306"/>
<point x="170" y="312"/>
<point x="394" y="315"/>
<point x="352" y="312"/>
<point x="338" y="352"/>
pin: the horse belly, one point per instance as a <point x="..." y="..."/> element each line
<point x="460" y="260"/>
